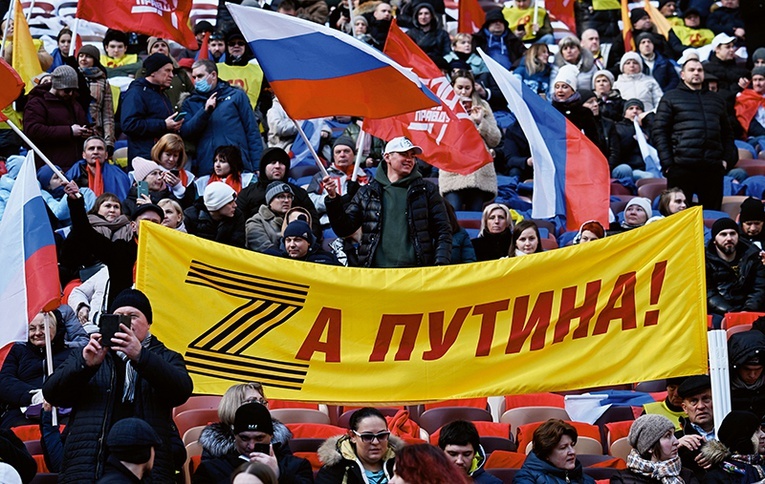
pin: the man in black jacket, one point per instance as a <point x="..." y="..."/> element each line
<point x="699" y="427"/>
<point x="402" y="217"/>
<point x="735" y="273"/>
<point x="694" y="139"/>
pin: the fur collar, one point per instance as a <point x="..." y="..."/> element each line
<point x="715" y="451"/>
<point x="336" y="449"/>
<point x="218" y="440"/>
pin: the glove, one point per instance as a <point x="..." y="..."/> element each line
<point x="37" y="397"/>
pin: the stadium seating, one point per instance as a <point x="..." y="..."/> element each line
<point x="198" y="402"/>
<point x="433" y="419"/>
<point x="194" y="418"/>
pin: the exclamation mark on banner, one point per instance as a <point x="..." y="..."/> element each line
<point x="657" y="281"/>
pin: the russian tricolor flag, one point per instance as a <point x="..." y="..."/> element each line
<point x="316" y="71"/>
<point x="571" y="175"/>
<point x="29" y="279"/>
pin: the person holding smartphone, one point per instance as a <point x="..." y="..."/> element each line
<point x="253" y="433"/>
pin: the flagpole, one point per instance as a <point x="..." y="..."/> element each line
<point x="310" y="148"/>
<point x="536" y="13"/>
<point x="11" y="11"/>
<point x="359" y="154"/>
<point x="49" y="360"/>
<point x="73" y="43"/>
<point x="37" y="150"/>
<point x="29" y="12"/>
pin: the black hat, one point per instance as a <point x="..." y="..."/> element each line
<point x="736" y="432"/>
<point x="234" y="34"/>
<point x="637" y="14"/>
<point x="664" y="2"/>
<point x="203" y="26"/>
<point x="721" y="224"/>
<point x="133" y="298"/>
<point x="633" y="102"/>
<point x="751" y="210"/>
<point x="117" y="35"/>
<point x="148" y="207"/>
<point x="495" y="16"/>
<point x="155" y="62"/>
<point x="131" y="440"/>
<point x="693" y="385"/>
<point x="691" y="11"/>
<point x="299" y="228"/>
<point x="253" y="417"/>
<point x="586" y="94"/>
<point x="644" y="35"/>
<point x="344" y="141"/>
<point x="275" y="154"/>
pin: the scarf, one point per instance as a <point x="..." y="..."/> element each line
<point x="128" y="391"/>
<point x="230" y="180"/>
<point x="575" y="98"/>
<point x="667" y="471"/>
<point x="96" y="182"/>
<point x="184" y="177"/>
<point x="118" y="230"/>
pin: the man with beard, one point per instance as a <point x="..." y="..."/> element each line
<point x="735" y="273"/>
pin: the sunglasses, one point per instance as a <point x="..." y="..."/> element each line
<point x="237" y="43"/>
<point x="382" y="436"/>
<point x="259" y="400"/>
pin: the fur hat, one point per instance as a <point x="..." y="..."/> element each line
<point x="630" y="55"/>
<point x="647" y="430"/>
<point x="217" y="195"/>
<point x="721" y="224"/>
<point x="131" y="440"/>
<point x="277" y="188"/>
<point x="736" y="432"/>
<point x="568" y="74"/>
<point x="142" y="167"/>
<point x="133" y="298"/>
<point x="751" y="210"/>
<point x="253" y="417"/>
<point x="64" y="77"/>
<point x="605" y="73"/>
<point x="641" y="202"/>
<point x="155" y="62"/>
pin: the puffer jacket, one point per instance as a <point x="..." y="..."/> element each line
<point x="429" y="228"/>
<point x="691" y="129"/>
<point x="232" y="122"/>
<point x="629" y="150"/>
<point x="538" y="471"/>
<point x="606" y="22"/>
<point x="342" y="466"/>
<point x="217" y="440"/>
<point x="742" y="347"/>
<point x="93" y="393"/>
<point x="199" y="222"/>
<point x="639" y="86"/>
<point x="144" y="109"/>
<point x="742" y="289"/>
<point x="585" y="64"/>
<point x="728" y="470"/>
<point x="435" y="42"/>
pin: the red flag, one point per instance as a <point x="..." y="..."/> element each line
<point x="204" y="49"/>
<point x="168" y="19"/>
<point x="471" y="17"/>
<point x="563" y="10"/>
<point x="629" y="43"/>
<point x="12" y="85"/>
<point x="447" y="135"/>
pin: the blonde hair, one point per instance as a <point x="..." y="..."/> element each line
<point x="487" y="211"/>
<point x="174" y="144"/>
<point x="233" y="399"/>
<point x="165" y="202"/>
<point x="463" y="36"/>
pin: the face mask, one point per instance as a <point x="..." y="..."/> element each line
<point x="202" y="85"/>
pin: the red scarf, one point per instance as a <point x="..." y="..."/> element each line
<point x="235" y="183"/>
<point x="96" y="182"/>
<point x="184" y="178"/>
<point x="747" y="104"/>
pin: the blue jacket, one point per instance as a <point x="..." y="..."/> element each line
<point x="664" y="73"/>
<point x="116" y="181"/>
<point x="144" y="110"/>
<point x="538" y="471"/>
<point x="232" y="122"/>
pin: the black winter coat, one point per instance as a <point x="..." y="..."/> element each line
<point x="229" y="231"/>
<point x="739" y="289"/>
<point x="95" y="396"/>
<point x="629" y="151"/>
<point x="610" y="142"/>
<point x="627" y="476"/>
<point x="516" y="151"/>
<point x="429" y="228"/>
<point x="435" y="42"/>
<point x="606" y="22"/>
<point x="292" y="470"/>
<point x="116" y="473"/>
<point x="691" y="129"/>
<point x="492" y="246"/>
<point x="725" y="20"/>
<point x="583" y="119"/>
<point x="129" y="204"/>
<point x="742" y="347"/>
<point x="688" y="457"/>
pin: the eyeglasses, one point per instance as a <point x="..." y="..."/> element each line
<point x="367" y="438"/>
<point x="237" y="43"/>
<point x="259" y="400"/>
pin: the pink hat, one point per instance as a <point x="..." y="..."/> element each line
<point x="142" y="167"/>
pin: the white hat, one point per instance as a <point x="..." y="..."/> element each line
<point x="142" y="167"/>
<point x="720" y="39"/>
<point x="400" y="145"/>
<point x="568" y="74"/>
<point x="633" y="56"/>
<point x="689" y="54"/>
<point x="217" y="195"/>
<point x="9" y="475"/>
<point x="641" y="202"/>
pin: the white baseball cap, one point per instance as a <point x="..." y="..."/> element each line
<point x="401" y="144"/>
<point x="720" y="39"/>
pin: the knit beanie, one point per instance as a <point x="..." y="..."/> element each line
<point x="64" y="77"/>
<point x="299" y="228"/>
<point x="203" y="26"/>
<point x="758" y="71"/>
<point x="603" y="72"/>
<point x="253" y="417"/>
<point x="217" y="195"/>
<point x="276" y="188"/>
<point x="142" y="167"/>
<point x="153" y="40"/>
<point x="155" y="62"/>
<point x="737" y="430"/>
<point x="133" y="298"/>
<point x="630" y="55"/>
<point x="644" y="35"/>
<point x="633" y="102"/>
<point x="44" y="175"/>
<point x="647" y="430"/>
<point x="721" y="224"/>
<point x="759" y="54"/>
<point x="131" y="440"/>
<point x="568" y="74"/>
<point x="273" y="155"/>
<point x="345" y="141"/>
<point x="641" y="202"/>
<point x="496" y="16"/>
<point x="90" y="50"/>
<point x="751" y="210"/>
<point x="637" y="14"/>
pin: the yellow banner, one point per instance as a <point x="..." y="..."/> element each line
<point x="248" y="77"/>
<point x="25" y="60"/>
<point x="623" y="309"/>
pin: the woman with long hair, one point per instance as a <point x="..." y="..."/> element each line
<point x="426" y="464"/>
<point x="535" y="69"/>
<point x="496" y="235"/>
<point x="526" y="239"/>
<point x="228" y="167"/>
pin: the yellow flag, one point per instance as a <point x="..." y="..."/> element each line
<point x="249" y="78"/>
<point x="627" y="308"/>
<point x="25" y="60"/>
<point x="663" y="25"/>
<point x="605" y="4"/>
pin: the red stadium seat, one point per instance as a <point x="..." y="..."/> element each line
<point x="735" y="319"/>
<point x="526" y="432"/>
<point x="198" y="402"/>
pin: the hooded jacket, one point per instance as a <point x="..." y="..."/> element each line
<point x="513" y="46"/>
<point x="435" y="42"/>
<point x="739" y="288"/>
<point x="342" y="466"/>
<point x="741" y="348"/>
<point x="726" y="469"/>
<point x="144" y="108"/>
<point x="538" y="471"/>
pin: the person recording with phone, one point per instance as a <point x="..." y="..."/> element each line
<point x="151" y="185"/>
<point x="131" y="374"/>
<point x="253" y="442"/>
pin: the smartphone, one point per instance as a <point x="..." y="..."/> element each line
<point x="180" y="116"/>
<point x="262" y="448"/>
<point x="109" y="324"/>
<point x="175" y="172"/>
<point x="143" y="189"/>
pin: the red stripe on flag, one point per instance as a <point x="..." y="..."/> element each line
<point x="470" y="17"/>
<point x="583" y="173"/>
<point x="43" y="288"/>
